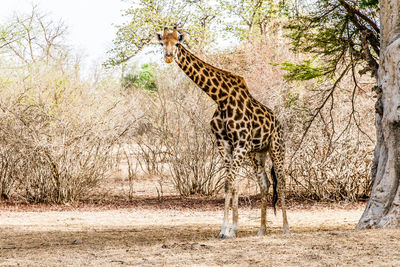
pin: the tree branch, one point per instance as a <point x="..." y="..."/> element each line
<point x="319" y="109"/>
<point x="353" y="10"/>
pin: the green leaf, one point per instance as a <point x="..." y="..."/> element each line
<point x="301" y="72"/>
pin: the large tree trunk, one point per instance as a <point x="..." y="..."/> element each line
<point x="383" y="208"/>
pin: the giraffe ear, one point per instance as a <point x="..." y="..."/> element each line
<point x="159" y="37"/>
<point x="165" y="31"/>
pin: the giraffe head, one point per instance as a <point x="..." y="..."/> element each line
<point x="169" y="40"/>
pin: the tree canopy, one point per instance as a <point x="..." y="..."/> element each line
<point x="150" y="16"/>
<point x="337" y="33"/>
<point x="203" y="21"/>
<point x="32" y="37"/>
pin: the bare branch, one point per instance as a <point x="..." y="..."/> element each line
<point x="319" y="109"/>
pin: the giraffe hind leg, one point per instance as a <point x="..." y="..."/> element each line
<point x="258" y="160"/>
<point x="277" y="155"/>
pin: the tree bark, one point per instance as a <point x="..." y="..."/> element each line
<point x="383" y="208"/>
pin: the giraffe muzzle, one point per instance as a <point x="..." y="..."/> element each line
<point x="169" y="59"/>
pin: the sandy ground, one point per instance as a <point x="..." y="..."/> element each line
<point x="321" y="236"/>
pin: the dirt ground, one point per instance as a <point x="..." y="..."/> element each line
<point x="178" y="235"/>
<point x="174" y="231"/>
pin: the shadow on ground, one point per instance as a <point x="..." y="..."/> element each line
<point x="200" y="203"/>
<point x="133" y="236"/>
<point x="114" y="237"/>
<point x="196" y="244"/>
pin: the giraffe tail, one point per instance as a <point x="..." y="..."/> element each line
<point x="274" y="186"/>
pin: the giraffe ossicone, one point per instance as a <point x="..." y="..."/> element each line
<point x="242" y="127"/>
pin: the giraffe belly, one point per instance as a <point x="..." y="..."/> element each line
<point x="259" y="146"/>
<point x="259" y="140"/>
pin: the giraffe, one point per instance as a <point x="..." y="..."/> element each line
<point x="242" y="127"/>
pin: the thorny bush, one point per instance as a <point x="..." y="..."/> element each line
<point x="56" y="136"/>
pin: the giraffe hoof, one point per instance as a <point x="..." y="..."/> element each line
<point x="225" y="236"/>
<point x="231" y="235"/>
<point x="221" y="235"/>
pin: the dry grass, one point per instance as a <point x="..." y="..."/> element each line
<point x="321" y="236"/>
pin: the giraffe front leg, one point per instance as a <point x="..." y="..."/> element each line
<point x="230" y="194"/>
<point x="235" y="211"/>
<point x="226" y="151"/>
<point x="224" y="228"/>
<point x="237" y="159"/>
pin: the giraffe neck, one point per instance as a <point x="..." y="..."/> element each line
<point x="216" y="83"/>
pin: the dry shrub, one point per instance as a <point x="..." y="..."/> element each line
<point x="343" y="173"/>
<point x="57" y="131"/>
<point x="57" y="135"/>
<point x="174" y="140"/>
<point x="334" y="160"/>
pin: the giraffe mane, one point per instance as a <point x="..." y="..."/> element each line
<point x="240" y="78"/>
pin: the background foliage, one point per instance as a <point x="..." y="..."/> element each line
<point x="63" y="135"/>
